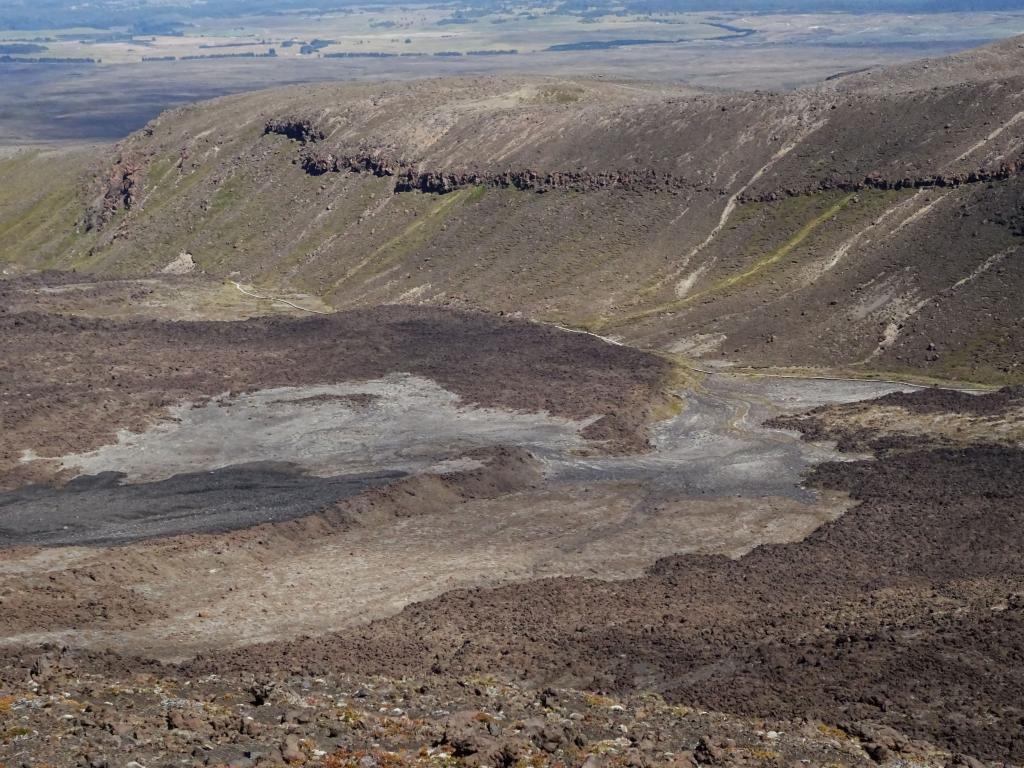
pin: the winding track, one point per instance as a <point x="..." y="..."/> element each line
<point x="282" y="301"/>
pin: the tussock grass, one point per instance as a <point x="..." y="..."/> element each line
<point x="760" y="266"/>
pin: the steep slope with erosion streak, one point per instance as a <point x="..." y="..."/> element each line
<point x="850" y="225"/>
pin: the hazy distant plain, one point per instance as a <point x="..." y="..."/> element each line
<point x="105" y="101"/>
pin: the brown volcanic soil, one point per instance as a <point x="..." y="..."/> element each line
<point x="70" y="383"/>
<point x="900" y="420"/>
<point x="951" y="401"/>
<point x="906" y="612"/>
<point x="355" y="721"/>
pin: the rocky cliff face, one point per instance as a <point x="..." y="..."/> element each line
<point x="1002" y="172"/>
<point x="119" y="190"/>
<point x="409" y="178"/>
<point x="317" y="162"/>
<point x="304" y="129"/>
<point x="771" y="142"/>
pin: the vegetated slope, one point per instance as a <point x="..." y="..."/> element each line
<point x="872" y="221"/>
<point x="41" y="202"/>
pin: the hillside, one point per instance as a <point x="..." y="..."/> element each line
<point x="871" y="223"/>
<point x="393" y="426"/>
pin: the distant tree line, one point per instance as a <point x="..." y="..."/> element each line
<point x="389" y="55"/>
<point x="361" y="55"/>
<point x="233" y="45"/>
<point x="270" y="54"/>
<point x="7" y="59"/>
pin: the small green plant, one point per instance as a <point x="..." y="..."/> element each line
<point x="832" y="732"/>
<point x="14" y="733"/>
<point x="597" y="700"/>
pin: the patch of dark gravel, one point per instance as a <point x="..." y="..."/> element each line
<point x="827" y="422"/>
<point x="952" y="401"/>
<point x="101" y="509"/>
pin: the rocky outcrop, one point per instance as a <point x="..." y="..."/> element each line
<point x="317" y="162"/>
<point x="304" y="129"/>
<point x="533" y="181"/>
<point x="1002" y="172"/>
<point x="378" y="722"/>
<point x="121" y="189"/>
<point x="409" y="177"/>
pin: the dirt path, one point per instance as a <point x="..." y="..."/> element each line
<point x="279" y="300"/>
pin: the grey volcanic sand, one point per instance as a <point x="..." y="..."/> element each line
<point x="400" y="422"/>
<point x="718" y="448"/>
<point x="272" y="455"/>
<point x="279" y="454"/>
